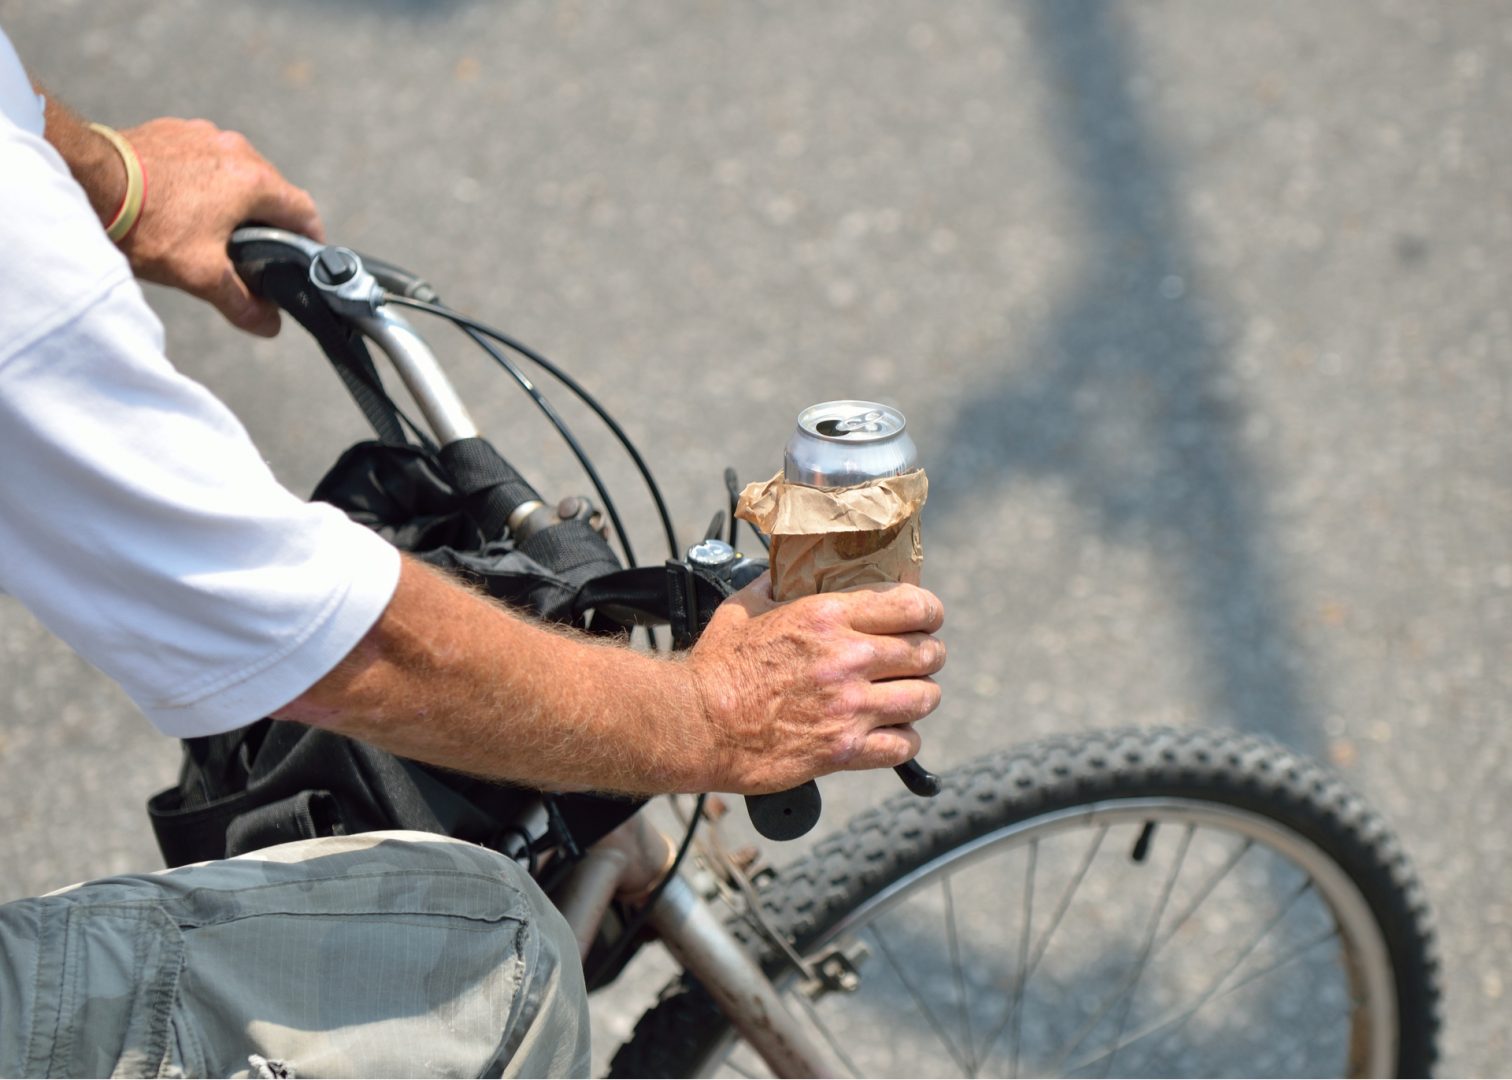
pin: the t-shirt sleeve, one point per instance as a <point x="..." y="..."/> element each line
<point x="139" y="524"/>
<point x="137" y="520"/>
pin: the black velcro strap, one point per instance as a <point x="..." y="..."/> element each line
<point x="302" y="816"/>
<point x="193" y="833"/>
<point x="489" y="485"/>
<point x="574" y="550"/>
<point x="682" y="596"/>
<point x="682" y="604"/>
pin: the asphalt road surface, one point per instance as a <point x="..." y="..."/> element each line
<point x="1199" y="313"/>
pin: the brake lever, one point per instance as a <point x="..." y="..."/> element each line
<point x="917" y="779"/>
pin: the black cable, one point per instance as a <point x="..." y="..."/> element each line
<point x="571" y="384"/>
<point x="633" y="927"/>
<point x="732" y="486"/>
<point x="562" y="429"/>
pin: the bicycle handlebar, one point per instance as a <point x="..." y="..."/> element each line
<point x="495" y="496"/>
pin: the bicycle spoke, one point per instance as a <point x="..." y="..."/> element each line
<point x="1044" y="942"/>
<point x="1155" y="917"/>
<point x="1065" y="903"/>
<point x="1023" y="961"/>
<point x="1300" y="951"/>
<point x="960" y="977"/>
<point x="829" y="1037"/>
<point x="1121" y="991"/>
<point x="923" y="1005"/>
<point x="1178" y="1018"/>
<point x="1205" y="892"/>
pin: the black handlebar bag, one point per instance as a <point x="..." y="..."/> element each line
<point x="276" y="781"/>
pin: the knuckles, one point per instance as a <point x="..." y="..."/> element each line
<point x="842" y="750"/>
<point x="846" y="701"/>
<point x="855" y="657"/>
<point x="825" y="611"/>
<point x="924" y="610"/>
<point x="233" y="142"/>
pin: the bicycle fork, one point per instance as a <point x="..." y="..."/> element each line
<point x="629" y="862"/>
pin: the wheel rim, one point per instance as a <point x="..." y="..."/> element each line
<point x="1305" y="912"/>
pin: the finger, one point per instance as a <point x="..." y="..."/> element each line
<point x="893" y="609"/>
<point x="284" y="206"/>
<point x="756" y="597"/>
<point x="896" y="656"/>
<point x="885" y="747"/>
<point x="899" y="701"/>
<point x="241" y="308"/>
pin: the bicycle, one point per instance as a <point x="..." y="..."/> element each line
<point x="1025" y="920"/>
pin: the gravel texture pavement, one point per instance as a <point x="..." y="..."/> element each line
<point x="1199" y="313"/>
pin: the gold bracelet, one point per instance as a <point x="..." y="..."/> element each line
<point x="136" y="185"/>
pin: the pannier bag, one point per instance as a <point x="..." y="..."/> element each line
<point x="276" y="781"/>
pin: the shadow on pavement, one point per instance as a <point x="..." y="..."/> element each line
<point x="1129" y="399"/>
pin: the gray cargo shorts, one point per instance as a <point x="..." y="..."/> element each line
<point x="386" y="954"/>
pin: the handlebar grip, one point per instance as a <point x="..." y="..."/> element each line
<point x="785" y="815"/>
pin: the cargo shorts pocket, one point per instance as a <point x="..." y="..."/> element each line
<point x="399" y="959"/>
<point x="106" y="983"/>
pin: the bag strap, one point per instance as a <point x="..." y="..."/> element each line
<point x="492" y="490"/>
<point x="574" y="550"/>
<point x="675" y="593"/>
<point x="288" y="285"/>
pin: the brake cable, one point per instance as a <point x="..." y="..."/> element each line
<point x="562" y="429"/>
<point x="468" y="323"/>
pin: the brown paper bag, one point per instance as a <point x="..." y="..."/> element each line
<point x="826" y="539"/>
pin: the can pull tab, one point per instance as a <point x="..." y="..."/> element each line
<point x="868" y="421"/>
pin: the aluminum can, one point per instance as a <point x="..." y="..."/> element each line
<point x="840" y="443"/>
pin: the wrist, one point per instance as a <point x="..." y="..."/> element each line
<point x="706" y="706"/>
<point x="673" y="743"/>
<point x="103" y="162"/>
<point x="98" y="168"/>
<point x="91" y="158"/>
<point x="125" y="217"/>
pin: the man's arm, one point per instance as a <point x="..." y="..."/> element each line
<point x="201" y="184"/>
<point x="772" y="695"/>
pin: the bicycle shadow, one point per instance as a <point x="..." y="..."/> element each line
<point x="1130" y="399"/>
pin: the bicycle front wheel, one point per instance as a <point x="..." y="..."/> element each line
<point x="1137" y="903"/>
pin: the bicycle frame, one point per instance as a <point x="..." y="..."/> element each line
<point x="630" y="862"/>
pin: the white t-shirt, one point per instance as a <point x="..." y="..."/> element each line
<point x="137" y="520"/>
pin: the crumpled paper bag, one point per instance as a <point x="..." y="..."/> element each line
<point x="827" y="539"/>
